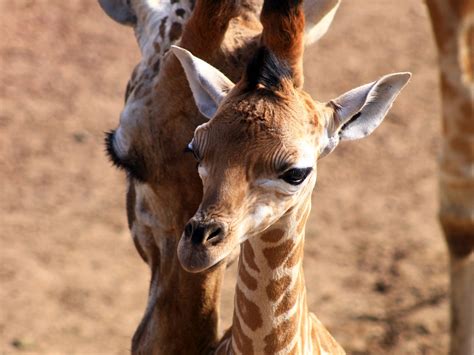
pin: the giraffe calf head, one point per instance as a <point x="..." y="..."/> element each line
<point x="257" y="155"/>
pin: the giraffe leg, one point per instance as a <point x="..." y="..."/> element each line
<point x="453" y="26"/>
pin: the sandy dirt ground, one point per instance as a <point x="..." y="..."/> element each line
<point x="71" y="281"/>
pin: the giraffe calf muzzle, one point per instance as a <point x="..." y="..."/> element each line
<point x="204" y="244"/>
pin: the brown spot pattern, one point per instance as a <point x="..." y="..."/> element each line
<point x="277" y="255"/>
<point x="277" y="287"/>
<point x="246" y="278"/>
<point x="175" y="31"/>
<point x="249" y="256"/>
<point x="248" y="310"/>
<point x="287" y="302"/>
<point x="180" y="12"/>
<point x="296" y="255"/>
<point x="273" y="236"/>
<point x="280" y="336"/>
<point x="242" y="342"/>
<point x="163" y="26"/>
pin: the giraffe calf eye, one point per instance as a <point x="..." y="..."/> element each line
<point x="295" y="176"/>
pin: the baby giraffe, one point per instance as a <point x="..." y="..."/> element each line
<point x="257" y="158"/>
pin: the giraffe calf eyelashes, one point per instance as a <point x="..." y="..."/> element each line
<point x="296" y="176"/>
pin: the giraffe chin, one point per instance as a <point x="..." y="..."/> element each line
<point x="197" y="258"/>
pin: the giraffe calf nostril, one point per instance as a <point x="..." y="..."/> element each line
<point x="215" y="233"/>
<point x="201" y="232"/>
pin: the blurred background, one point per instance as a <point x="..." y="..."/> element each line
<point x="71" y="281"/>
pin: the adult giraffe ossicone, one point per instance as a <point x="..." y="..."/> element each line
<point x="157" y="122"/>
<point x="258" y="162"/>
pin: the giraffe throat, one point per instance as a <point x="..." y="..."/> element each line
<point x="270" y="311"/>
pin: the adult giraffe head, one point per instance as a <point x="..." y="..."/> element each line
<point x="257" y="155"/>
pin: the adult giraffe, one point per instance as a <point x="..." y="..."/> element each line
<point x="453" y="26"/>
<point x="156" y="124"/>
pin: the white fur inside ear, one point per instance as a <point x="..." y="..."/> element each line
<point x="208" y="85"/>
<point x="358" y="112"/>
<point x="378" y="101"/>
<point x="319" y="15"/>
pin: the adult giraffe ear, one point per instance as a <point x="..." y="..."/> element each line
<point x="358" y="112"/>
<point x="318" y="17"/>
<point x="119" y="11"/>
<point x="208" y="85"/>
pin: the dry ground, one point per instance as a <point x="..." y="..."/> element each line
<point x="70" y="279"/>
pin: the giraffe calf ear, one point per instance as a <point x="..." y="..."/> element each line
<point x="358" y="112"/>
<point x="208" y="85"/>
<point x="119" y="11"/>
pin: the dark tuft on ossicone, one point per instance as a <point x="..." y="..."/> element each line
<point x="267" y="70"/>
